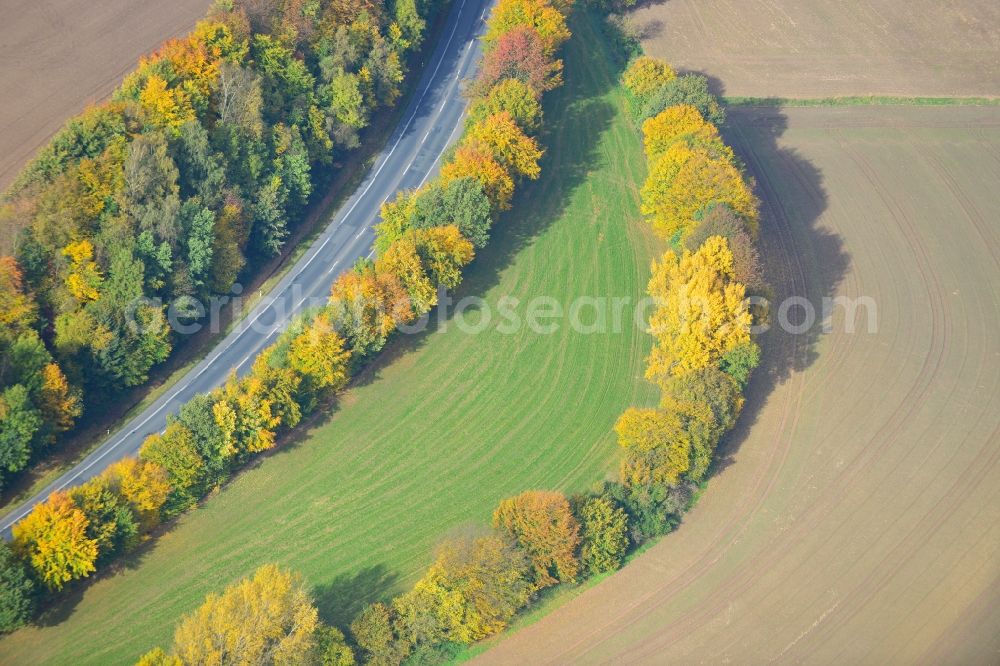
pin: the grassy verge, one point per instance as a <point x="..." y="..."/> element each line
<point x="863" y="100"/>
<point x="430" y="438"/>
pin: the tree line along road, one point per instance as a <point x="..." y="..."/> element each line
<point x="432" y="120"/>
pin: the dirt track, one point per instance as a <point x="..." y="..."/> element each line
<point x="825" y="48"/>
<point x="56" y="57"/>
<point x="856" y="517"/>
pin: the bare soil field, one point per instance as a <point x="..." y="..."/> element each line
<point x="59" y="56"/>
<point x="824" y="48"/>
<point x="855" y="517"/>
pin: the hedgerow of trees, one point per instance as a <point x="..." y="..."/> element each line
<point x="194" y="173"/>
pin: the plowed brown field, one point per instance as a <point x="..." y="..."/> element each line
<point x="59" y="56"/>
<point x="827" y="48"/>
<point x="856" y="518"/>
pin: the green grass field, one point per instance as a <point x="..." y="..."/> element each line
<point x="428" y="441"/>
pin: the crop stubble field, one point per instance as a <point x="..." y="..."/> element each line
<point x="431" y="439"/>
<point x="828" y="48"/>
<point x="856" y="518"/>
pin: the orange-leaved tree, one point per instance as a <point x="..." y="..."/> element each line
<point x="369" y="305"/>
<point x="477" y="163"/>
<point x="543" y="524"/>
<point x="519" y="54"/>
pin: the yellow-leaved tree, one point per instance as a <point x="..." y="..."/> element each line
<point x="500" y="136"/>
<point x="402" y="260"/>
<point x="472" y="590"/>
<point x="53" y="538"/>
<point x="683" y="180"/>
<point x="267" y="619"/>
<point x="165" y="107"/>
<point x="513" y="96"/>
<point x="701" y="310"/>
<point x="84" y="278"/>
<point x="545" y="19"/>
<point x="444" y="252"/>
<point x="319" y="355"/>
<point x="144" y="484"/>
<point x="657" y="448"/>
<point x="425" y="258"/>
<point x="645" y="75"/>
<point x="245" y="415"/>
<point x="681" y="123"/>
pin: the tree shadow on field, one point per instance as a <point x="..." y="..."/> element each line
<point x="340" y="600"/>
<point x="801" y="259"/>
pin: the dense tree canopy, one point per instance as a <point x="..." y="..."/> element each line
<point x="689" y="89"/>
<point x="604" y="535"/>
<point x="644" y="77"/>
<point x="513" y="96"/>
<point x="540" y="15"/>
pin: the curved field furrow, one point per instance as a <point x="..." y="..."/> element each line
<point x="859" y="519"/>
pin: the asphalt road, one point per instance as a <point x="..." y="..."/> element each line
<point x="430" y="123"/>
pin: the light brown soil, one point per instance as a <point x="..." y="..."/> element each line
<point x="856" y="515"/>
<point x="56" y="57"/>
<point x="826" y="48"/>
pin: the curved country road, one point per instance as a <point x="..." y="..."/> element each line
<point x="432" y="120"/>
<point x="855" y="517"/>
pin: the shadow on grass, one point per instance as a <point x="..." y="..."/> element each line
<point x="340" y="600"/>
